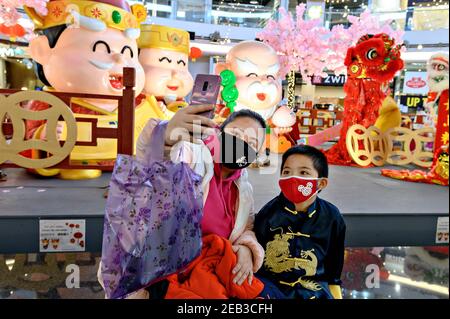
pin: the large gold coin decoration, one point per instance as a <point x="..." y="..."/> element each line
<point x="10" y="150"/>
<point x="406" y="138"/>
<point x="373" y="144"/>
<point x="368" y="146"/>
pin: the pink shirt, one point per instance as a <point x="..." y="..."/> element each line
<point x="219" y="212"/>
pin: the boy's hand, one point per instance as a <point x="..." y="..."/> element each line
<point x="244" y="266"/>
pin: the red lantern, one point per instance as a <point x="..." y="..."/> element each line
<point x="196" y="53"/>
<point x="14" y="31"/>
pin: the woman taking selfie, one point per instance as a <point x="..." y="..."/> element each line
<point x="219" y="156"/>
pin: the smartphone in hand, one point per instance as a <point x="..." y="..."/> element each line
<point x="206" y="91"/>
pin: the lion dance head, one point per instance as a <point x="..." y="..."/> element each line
<point x="374" y="56"/>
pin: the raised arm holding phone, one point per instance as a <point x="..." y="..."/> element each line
<point x="219" y="155"/>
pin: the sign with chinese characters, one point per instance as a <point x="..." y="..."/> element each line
<point x="62" y="235"/>
<point x="415" y="83"/>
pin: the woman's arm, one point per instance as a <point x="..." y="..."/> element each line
<point x="248" y="238"/>
<point x="183" y="129"/>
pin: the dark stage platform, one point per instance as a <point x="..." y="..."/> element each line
<point x="378" y="211"/>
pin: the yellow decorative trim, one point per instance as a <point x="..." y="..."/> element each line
<point x="91" y="107"/>
<point x="293" y="212"/>
<point x="60" y="13"/>
<point x="166" y="38"/>
<point x="176" y="106"/>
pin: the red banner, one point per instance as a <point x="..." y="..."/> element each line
<point x="443" y="121"/>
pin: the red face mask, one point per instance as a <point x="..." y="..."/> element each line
<point x="299" y="189"/>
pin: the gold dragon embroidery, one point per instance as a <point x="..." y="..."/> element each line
<point x="278" y="260"/>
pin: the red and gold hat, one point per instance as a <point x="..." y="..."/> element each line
<point x="95" y="15"/>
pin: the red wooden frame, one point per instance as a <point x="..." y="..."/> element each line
<point x="336" y="117"/>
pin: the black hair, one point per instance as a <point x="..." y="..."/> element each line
<point x="318" y="158"/>
<point x="244" y="113"/>
<point x="52" y="34"/>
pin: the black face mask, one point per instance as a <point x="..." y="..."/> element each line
<point x="235" y="153"/>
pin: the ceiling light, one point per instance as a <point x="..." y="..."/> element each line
<point x="420" y="47"/>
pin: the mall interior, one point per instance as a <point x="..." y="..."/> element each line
<point x="396" y="244"/>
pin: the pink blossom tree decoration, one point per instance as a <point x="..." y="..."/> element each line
<point x="300" y="43"/>
<point x="8" y="9"/>
<point x="340" y="39"/>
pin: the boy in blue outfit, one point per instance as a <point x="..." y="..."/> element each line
<point x="303" y="235"/>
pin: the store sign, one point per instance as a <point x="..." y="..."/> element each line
<point x="7" y="52"/>
<point x="62" y="235"/>
<point x="330" y="80"/>
<point x="415" y="83"/>
<point x="413" y="101"/>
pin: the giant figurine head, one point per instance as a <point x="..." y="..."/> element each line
<point x="438" y="72"/>
<point x="84" y="46"/>
<point x="164" y="54"/>
<point x="256" y="66"/>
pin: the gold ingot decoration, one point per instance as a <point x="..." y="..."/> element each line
<point x="10" y="150"/>
<point x="379" y="148"/>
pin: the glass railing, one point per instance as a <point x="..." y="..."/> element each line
<point x="428" y="19"/>
<point x="412" y="19"/>
<point x="255" y="14"/>
<point x="368" y="273"/>
<point x="242" y="15"/>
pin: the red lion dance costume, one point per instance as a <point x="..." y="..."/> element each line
<point x="438" y="80"/>
<point x="371" y="65"/>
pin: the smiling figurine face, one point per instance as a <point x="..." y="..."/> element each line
<point x="90" y="57"/>
<point x="165" y="57"/>
<point x="86" y="61"/>
<point x="166" y="73"/>
<point x="256" y="66"/>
